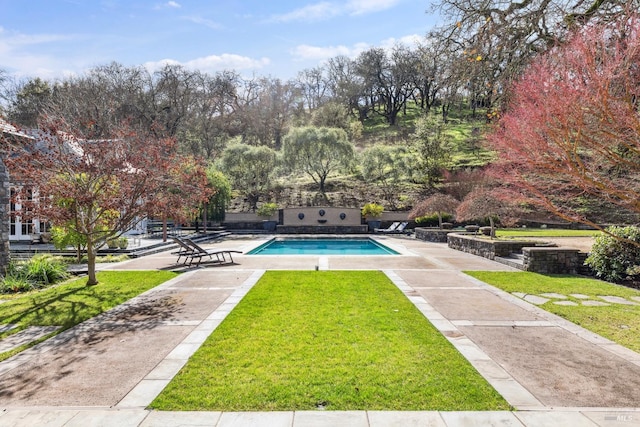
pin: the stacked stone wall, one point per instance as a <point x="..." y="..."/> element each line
<point x="484" y="247"/>
<point x="552" y="260"/>
<point x="434" y="235"/>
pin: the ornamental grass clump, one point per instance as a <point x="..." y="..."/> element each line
<point x="38" y="272"/>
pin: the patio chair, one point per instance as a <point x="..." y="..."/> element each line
<point x="185" y="250"/>
<point x="223" y="256"/>
<point x="399" y="229"/>
<point x="389" y="229"/>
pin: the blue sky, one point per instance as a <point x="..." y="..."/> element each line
<point x="55" y="38"/>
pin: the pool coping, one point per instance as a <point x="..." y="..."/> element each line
<point x="380" y="240"/>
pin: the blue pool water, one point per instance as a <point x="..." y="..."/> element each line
<point x="283" y="246"/>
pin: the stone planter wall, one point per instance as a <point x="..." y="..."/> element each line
<point x="553" y="260"/>
<point x="542" y="259"/>
<point x="434" y="235"/>
<point x="484" y="247"/>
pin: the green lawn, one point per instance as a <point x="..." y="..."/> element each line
<point x="328" y="339"/>
<point x="73" y="302"/>
<point x="544" y="232"/>
<point x="619" y="323"/>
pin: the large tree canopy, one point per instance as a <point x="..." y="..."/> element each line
<point x="571" y="134"/>
<point x="250" y="169"/>
<point x="386" y="166"/>
<point x="97" y="188"/>
<point x="317" y="151"/>
<point x="495" y="39"/>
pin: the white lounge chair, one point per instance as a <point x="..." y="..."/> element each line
<point x="389" y="229"/>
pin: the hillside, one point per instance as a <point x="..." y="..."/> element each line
<point x="464" y="135"/>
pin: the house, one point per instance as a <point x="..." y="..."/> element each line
<point x="24" y="227"/>
<point x="18" y="228"/>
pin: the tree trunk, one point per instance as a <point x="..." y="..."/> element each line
<point x="164" y="228"/>
<point x="204" y="217"/>
<point x="493" y="228"/>
<point x="91" y="264"/>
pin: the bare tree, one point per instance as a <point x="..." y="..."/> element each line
<point x="498" y="38"/>
<point x="313" y="86"/>
<point x="387" y="80"/>
<point x="347" y="87"/>
<point x="264" y="110"/>
<point x="207" y="127"/>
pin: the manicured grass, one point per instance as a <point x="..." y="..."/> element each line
<point x="73" y="302"/>
<point x="617" y="322"/>
<point x="330" y="339"/>
<point x="544" y="232"/>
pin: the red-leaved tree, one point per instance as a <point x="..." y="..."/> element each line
<point x="438" y="204"/>
<point x="492" y="203"/>
<point x="571" y="133"/>
<point x="185" y="189"/>
<point x="97" y="188"/>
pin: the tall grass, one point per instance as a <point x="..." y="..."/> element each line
<point x="38" y="272"/>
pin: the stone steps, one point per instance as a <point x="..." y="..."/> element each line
<point x="514" y="260"/>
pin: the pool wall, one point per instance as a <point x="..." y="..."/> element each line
<point x="322" y="229"/>
<point x="322" y="246"/>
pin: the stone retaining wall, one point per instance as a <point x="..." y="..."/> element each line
<point x="552" y="260"/>
<point x="486" y="248"/>
<point x="537" y="257"/>
<point x="434" y="235"/>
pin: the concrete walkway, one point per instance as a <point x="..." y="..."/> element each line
<point x="107" y="370"/>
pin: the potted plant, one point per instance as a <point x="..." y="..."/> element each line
<point x="267" y="210"/>
<point x="371" y="212"/>
<point x="123" y="242"/>
<point x="112" y="243"/>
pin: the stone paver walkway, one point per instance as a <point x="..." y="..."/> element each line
<point x="106" y="371"/>
<point x="583" y="299"/>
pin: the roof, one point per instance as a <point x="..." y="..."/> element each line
<point x="8" y="128"/>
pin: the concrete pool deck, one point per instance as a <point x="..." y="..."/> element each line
<point x="107" y="370"/>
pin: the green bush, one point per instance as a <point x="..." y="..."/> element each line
<point x="614" y="259"/>
<point x="432" y="220"/>
<point x="267" y="209"/>
<point x="372" y="210"/>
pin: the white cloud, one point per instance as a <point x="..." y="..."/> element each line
<point x="203" y="21"/>
<point x="214" y="63"/>
<point x="305" y="52"/>
<point x="325" y="10"/>
<point x="319" y="53"/>
<point x="411" y="41"/>
<point x="312" y="12"/>
<point x="19" y="40"/>
<point x="168" y="5"/>
<point x="361" y="7"/>
<point x="28" y="54"/>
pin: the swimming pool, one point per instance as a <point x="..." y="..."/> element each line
<point x="322" y="246"/>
